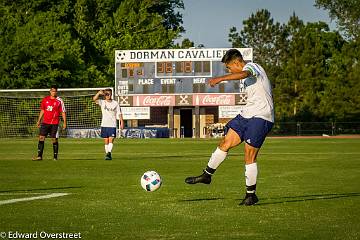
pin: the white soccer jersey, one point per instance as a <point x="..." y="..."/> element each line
<point x="259" y="94"/>
<point x="110" y="112"/>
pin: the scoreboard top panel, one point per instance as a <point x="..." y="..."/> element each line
<point x="172" y="70"/>
<point x="190" y="54"/>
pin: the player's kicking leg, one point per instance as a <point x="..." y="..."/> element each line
<point x="231" y="140"/>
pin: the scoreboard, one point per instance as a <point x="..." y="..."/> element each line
<point x="173" y="71"/>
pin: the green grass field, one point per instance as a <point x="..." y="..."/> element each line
<point x="308" y="189"/>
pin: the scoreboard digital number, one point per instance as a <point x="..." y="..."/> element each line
<point x="183" y="69"/>
<point x="172" y="71"/>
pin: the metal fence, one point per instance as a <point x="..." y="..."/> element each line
<point x="315" y="128"/>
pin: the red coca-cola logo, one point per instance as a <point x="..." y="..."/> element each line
<point x="157" y="101"/>
<point x="216" y="100"/>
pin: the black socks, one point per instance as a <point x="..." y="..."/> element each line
<point x="40" y="148"/>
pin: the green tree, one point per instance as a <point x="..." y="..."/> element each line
<point x="260" y="32"/>
<point x="319" y="46"/>
<point x="286" y="74"/>
<point x="186" y="43"/>
<point x="37" y="49"/>
<point x="346" y="12"/>
<point x="341" y="99"/>
<point x="72" y="42"/>
<point x="342" y="87"/>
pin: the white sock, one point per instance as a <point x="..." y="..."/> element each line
<point x="106" y="148"/>
<point x="110" y="146"/>
<point x="217" y="158"/>
<point x="251" y="172"/>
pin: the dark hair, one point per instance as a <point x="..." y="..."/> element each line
<point x="108" y="90"/>
<point x="231" y="55"/>
<point x="54" y="87"/>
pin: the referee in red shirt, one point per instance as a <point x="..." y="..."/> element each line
<point x="50" y="109"/>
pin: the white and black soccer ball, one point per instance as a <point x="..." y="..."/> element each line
<point x="120" y="56"/>
<point x="150" y="181"/>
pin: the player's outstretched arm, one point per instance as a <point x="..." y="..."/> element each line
<point x="96" y="97"/>
<point x="229" y="77"/>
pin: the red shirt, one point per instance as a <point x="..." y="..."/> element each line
<point x="52" y="109"/>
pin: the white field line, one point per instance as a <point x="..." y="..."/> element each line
<point x="20" y="193"/>
<point x="52" y="195"/>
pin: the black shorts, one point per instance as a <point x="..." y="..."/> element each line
<point x="51" y="129"/>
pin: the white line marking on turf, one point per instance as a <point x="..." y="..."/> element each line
<point x="52" y="195"/>
<point x="20" y="193"/>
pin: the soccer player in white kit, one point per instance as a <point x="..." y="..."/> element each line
<point x="110" y="113"/>
<point x="252" y="124"/>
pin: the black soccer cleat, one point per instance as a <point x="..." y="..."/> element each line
<point x="108" y="156"/>
<point x="203" y="178"/>
<point x="250" y="199"/>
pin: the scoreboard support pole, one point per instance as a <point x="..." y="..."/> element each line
<point x="197" y="121"/>
<point x="171" y="121"/>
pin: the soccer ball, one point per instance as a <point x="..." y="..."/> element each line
<point x="150" y="181"/>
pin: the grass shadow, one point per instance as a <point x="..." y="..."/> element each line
<point x="86" y="159"/>
<point x="200" y="199"/>
<point x="286" y="199"/>
<point x="168" y="157"/>
<point x="304" y="198"/>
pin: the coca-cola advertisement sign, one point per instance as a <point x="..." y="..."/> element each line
<point x="155" y="101"/>
<point x="214" y="100"/>
<point x="202" y="99"/>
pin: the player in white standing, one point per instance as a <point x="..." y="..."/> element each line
<point x="110" y="113"/>
<point x="252" y="124"/>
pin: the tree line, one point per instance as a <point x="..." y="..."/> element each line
<point x="72" y="42"/>
<point x="315" y="71"/>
